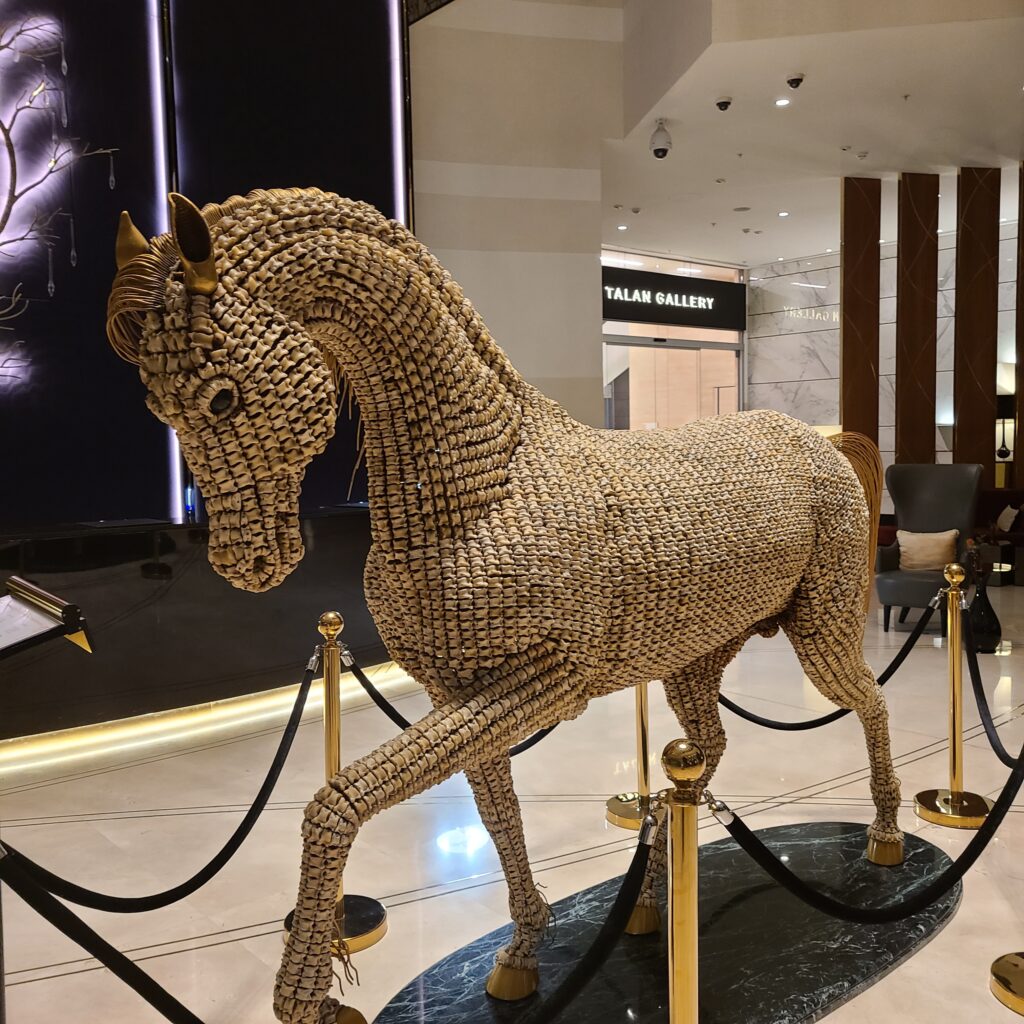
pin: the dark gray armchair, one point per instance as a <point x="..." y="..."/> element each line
<point x="927" y="499"/>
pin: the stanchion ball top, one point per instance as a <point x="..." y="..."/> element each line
<point x="683" y="761"/>
<point x="954" y="573"/>
<point x="330" y="625"/>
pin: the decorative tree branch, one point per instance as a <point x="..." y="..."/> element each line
<point x="24" y="216"/>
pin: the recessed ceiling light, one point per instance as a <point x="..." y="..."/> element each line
<point x="623" y="227"/>
<point x="828" y="250"/>
<point x="719" y="181"/>
<point x="939" y="231"/>
<point x="782" y="102"/>
<point x="1002" y="220"/>
<point x="780" y="259"/>
<point x="940" y="195"/>
<point x="881" y="241"/>
<point x="755" y="279"/>
<point x="741" y="209"/>
<point x="783" y="213"/>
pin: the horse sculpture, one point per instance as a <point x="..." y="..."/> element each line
<point x="522" y="563"/>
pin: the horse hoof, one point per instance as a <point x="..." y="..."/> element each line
<point x="511" y="983"/>
<point x="885" y="853"/>
<point x="348" y="1015"/>
<point x="644" y="920"/>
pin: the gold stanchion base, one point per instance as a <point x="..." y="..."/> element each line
<point x="953" y="810"/>
<point x="348" y="1015"/>
<point x="1007" y="981"/>
<point x="512" y="983"/>
<point x="362" y="922"/>
<point x="627" y="810"/>
<point x="885" y="854"/>
<point x="643" y="920"/>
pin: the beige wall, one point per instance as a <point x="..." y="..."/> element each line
<point x="510" y="101"/>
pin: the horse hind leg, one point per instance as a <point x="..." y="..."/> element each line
<point x="515" y="972"/>
<point x="829" y="644"/>
<point x="692" y="694"/>
<point x="528" y="691"/>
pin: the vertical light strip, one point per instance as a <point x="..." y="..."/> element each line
<point x="176" y="509"/>
<point x="399" y="156"/>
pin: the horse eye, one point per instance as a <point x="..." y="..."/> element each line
<point x="222" y="401"/>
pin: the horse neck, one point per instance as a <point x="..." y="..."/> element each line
<point x="439" y="402"/>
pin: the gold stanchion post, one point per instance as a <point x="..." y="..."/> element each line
<point x="360" y="920"/>
<point x="628" y="810"/>
<point x="1007" y="981"/>
<point x="683" y="761"/>
<point x="954" y="807"/>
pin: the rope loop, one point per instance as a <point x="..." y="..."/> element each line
<point x="834" y="716"/>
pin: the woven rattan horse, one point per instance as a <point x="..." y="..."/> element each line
<point x="522" y="563"/>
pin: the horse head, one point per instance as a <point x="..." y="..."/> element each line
<point x="247" y="391"/>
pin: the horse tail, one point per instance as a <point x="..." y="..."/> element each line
<point x="863" y="455"/>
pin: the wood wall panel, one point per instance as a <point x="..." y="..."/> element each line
<point x="859" y="290"/>
<point x="917" y="271"/>
<point x="975" y="325"/>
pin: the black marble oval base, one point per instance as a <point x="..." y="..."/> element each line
<point x="765" y="957"/>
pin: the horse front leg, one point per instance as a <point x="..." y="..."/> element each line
<point x="529" y="691"/>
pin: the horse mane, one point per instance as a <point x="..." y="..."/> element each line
<point x="139" y="287"/>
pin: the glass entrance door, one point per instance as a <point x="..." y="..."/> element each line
<point x="652" y="386"/>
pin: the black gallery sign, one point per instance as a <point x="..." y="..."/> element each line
<point x="672" y="299"/>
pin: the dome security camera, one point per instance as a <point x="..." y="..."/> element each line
<point x="795" y="81"/>
<point x="661" y="141"/>
<point x="724" y="103"/>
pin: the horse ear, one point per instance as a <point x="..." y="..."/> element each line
<point x="130" y="241"/>
<point x="194" y="244"/>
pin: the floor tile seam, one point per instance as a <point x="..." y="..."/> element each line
<point x="815" y="712"/>
<point x="896" y="760"/>
<point x="155" y="946"/>
<point x="142" y="762"/>
<point x="11" y="824"/>
<point x="310" y="718"/>
<point x="568" y="859"/>
<point x="95" y="965"/>
<point x="1015" y="712"/>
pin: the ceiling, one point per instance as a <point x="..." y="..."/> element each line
<point x="928" y="98"/>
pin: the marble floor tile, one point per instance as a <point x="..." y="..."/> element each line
<point x="145" y="819"/>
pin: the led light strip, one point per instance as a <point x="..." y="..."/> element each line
<point x="133" y="734"/>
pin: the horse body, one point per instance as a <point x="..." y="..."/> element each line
<point x="522" y="563"/>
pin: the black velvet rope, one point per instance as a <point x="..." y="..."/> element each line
<point x="935" y="889"/>
<point x="14" y="874"/>
<point x="984" y="711"/>
<point x="138" y="904"/>
<point x="591" y="962"/>
<point x="403" y="723"/>
<point x="833" y="716"/>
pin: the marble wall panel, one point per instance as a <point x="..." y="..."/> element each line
<point x="813" y="401"/>
<point x="810" y="356"/>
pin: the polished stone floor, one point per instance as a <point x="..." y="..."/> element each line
<point x="142" y="819"/>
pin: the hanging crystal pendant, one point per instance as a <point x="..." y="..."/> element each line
<point x="50" y="286"/>
<point x="73" y="255"/>
<point x="64" y="109"/>
<point x="53" y="127"/>
<point x="63" y="59"/>
<point x="110" y="181"/>
<point x="17" y="56"/>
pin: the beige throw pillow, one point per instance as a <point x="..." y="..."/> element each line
<point x="926" y="550"/>
<point x="1007" y="518"/>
